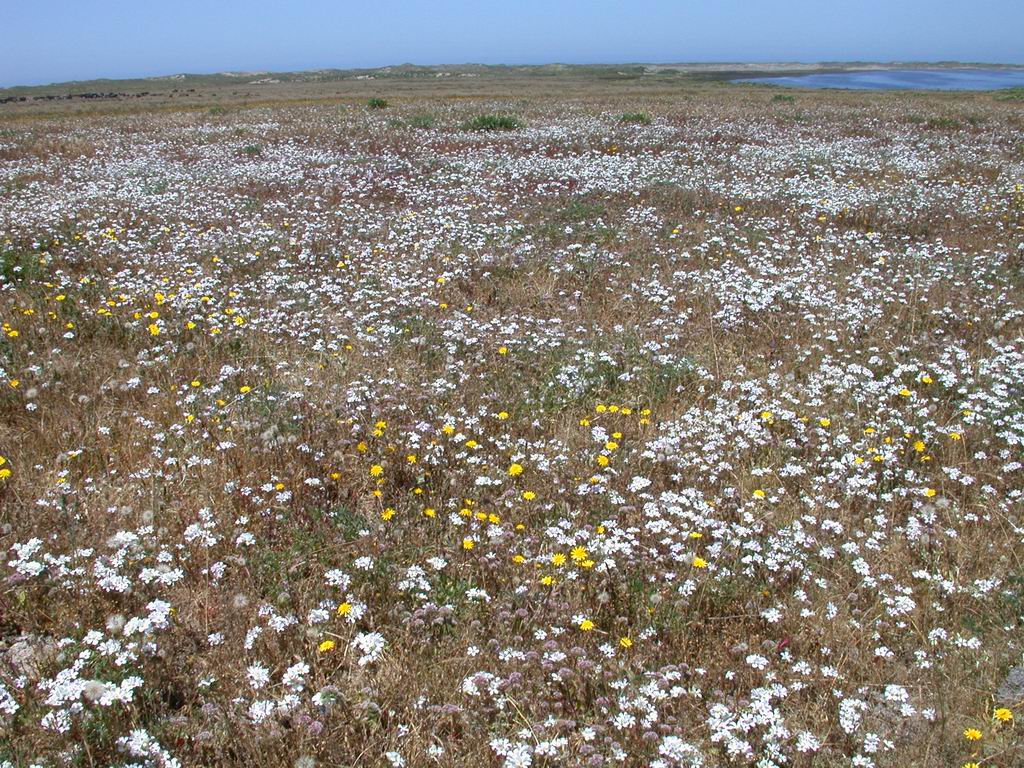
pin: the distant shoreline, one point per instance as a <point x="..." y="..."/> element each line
<point x="713" y="70"/>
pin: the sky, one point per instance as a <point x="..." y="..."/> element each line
<point x="45" y="41"/>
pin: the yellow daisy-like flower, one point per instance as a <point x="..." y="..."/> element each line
<point x="468" y="543"/>
<point x="758" y="494"/>
<point x="376" y="470"/>
<point x="700" y="562"/>
<point x="972" y="734"/>
<point x="1003" y="715"/>
<point x="529" y="495"/>
<point x="345" y="609"/>
<point x="625" y="642"/>
<point x="515" y="470"/>
<point x="587" y="625"/>
<point x="825" y="422"/>
<point x="325" y="646"/>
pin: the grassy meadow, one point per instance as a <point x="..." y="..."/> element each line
<point x="582" y="418"/>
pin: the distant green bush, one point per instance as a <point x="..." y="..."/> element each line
<point x="492" y="123"/>
<point x="422" y="121"/>
<point x="639" y="118"/>
<point x="942" y="123"/>
<point x="1010" y="94"/>
<point x="252" y="150"/>
<point x="784" y="97"/>
<point x="377" y="103"/>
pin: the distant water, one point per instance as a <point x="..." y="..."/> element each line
<point x="903" y="79"/>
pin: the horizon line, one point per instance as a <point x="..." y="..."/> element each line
<point x="697" y="63"/>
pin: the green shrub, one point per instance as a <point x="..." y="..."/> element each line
<point x="492" y="123"/>
<point x="1010" y="94"/>
<point x="943" y="123"/>
<point x="422" y="121"/>
<point x="784" y="97"/>
<point x="377" y="103"/>
<point x="639" y="118"/>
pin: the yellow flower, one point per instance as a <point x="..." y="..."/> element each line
<point x="515" y="470"/>
<point x="468" y="543"/>
<point x="972" y="734"/>
<point x="758" y="494"/>
<point x="502" y="350"/>
<point x="376" y="470"/>
<point x="625" y="642"/>
<point x="919" y="446"/>
<point x="929" y="492"/>
<point x="325" y="646"/>
<point x="825" y="422"/>
<point x="578" y="554"/>
<point x="345" y="609"/>
<point x="503" y="415"/>
<point x="1003" y="715"/>
<point x="586" y="625"/>
<point x="558" y="559"/>
<point x="602" y="460"/>
<point x="905" y="392"/>
<point x="245" y="389"/>
<point x="529" y="495"/>
<point x="700" y="562"/>
<point x="429" y="512"/>
<point x="388" y="513"/>
<point x="154" y="329"/>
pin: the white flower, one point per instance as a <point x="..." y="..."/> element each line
<point x="370" y="645"/>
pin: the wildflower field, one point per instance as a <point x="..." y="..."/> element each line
<point x="661" y="428"/>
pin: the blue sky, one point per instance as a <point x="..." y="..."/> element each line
<point x="54" y="40"/>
